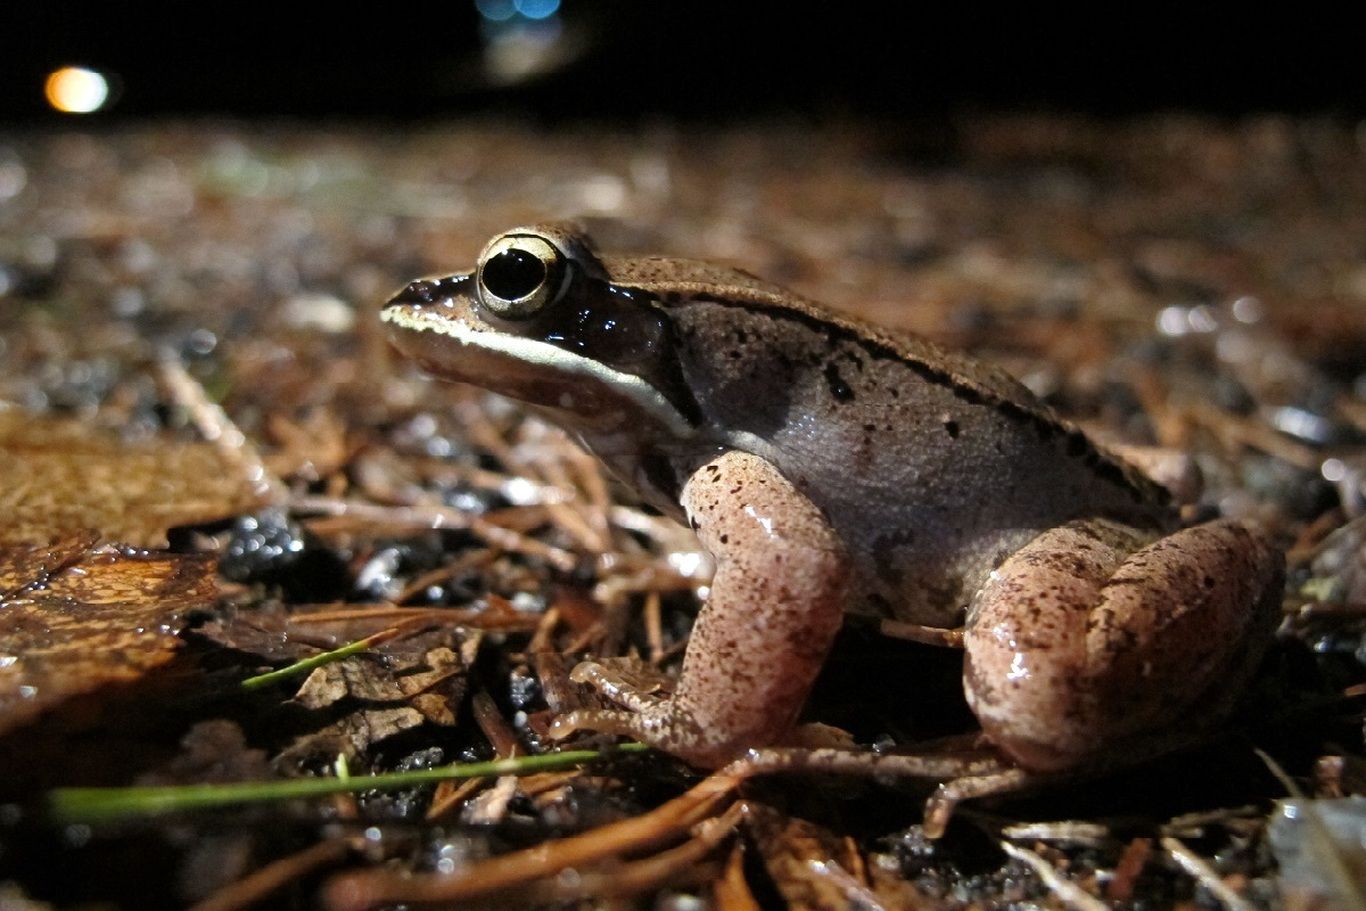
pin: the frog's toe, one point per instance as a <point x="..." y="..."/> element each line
<point x="598" y="721"/>
<point x="663" y="725"/>
<point x="624" y="684"/>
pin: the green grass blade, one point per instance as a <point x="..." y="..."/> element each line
<point x="92" y="805"/>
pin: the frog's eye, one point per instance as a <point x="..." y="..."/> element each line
<point x="520" y="274"/>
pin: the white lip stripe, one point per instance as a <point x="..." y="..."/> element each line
<point x="542" y="354"/>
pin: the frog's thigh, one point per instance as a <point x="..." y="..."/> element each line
<point x="1090" y="635"/>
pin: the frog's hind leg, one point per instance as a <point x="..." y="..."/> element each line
<point x="1094" y="640"/>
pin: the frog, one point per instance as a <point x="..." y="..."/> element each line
<point x="833" y="469"/>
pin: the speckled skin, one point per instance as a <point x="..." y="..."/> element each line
<point x="829" y="466"/>
<point x="779" y="592"/>
<point x="1093" y="636"/>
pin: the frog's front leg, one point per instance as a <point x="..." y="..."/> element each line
<point x="776" y="603"/>
<point x="1094" y="641"/>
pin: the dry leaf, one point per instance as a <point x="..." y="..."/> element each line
<point x="436" y="691"/>
<point x="265" y="634"/>
<point x="63" y="475"/>
<point x="351" y="736"/>
<point x="397" y="687"/>
<point x="74" y="619"/>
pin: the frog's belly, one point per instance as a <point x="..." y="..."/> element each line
<point x="901" y="579"/>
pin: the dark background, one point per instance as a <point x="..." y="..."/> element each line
<point x="704" y="59"/>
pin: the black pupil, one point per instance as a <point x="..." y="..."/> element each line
<point x="513" y="274"/>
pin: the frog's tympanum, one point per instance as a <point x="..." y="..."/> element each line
<point x="830" y="467"/>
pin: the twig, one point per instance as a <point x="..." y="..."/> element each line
<point x="214" y="425"/>
<point x="654" y="628"/>
<point x="370" y="888"/>
<point x="1234" y="431"/>
<point x="249" y="891"/>
<point x="730" y="891"/>
<point x="430" y="516"/>
<point x="444" y="573"/>
<point x="1275" y="769"/>
<point x="1090" y="834"/>
<point x="637" y="877"/>
<point x="1068" y="892"/>
<point x="1202" y="873"/>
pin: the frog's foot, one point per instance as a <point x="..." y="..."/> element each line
<point x="625" y="683"/>
<point x="660" y="723"/>
<point x="628" y="683"/>
<point x="1094" y="640"/>
<point x="965" y="775"/>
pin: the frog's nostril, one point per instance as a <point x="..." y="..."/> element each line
<point x="431" y="290"/>
<point x="421" y="291"/>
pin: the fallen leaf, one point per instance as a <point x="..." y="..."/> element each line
<point x="75" y="618"/>
<point x="397" y="686"/>
<point x="436" y="691"/>
<point x="350" y="736"/>
<point x="65" y="475"/>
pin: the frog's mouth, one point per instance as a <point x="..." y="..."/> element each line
<point x="577" y="388"/>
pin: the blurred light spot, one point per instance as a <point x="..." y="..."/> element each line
<point x="602" y="193"/>
<point x="537" y="9"/>
<point x="76" y="90"/>
<point x="1237" y="348"/>
<point x="522" y="48"/>
<point x="520" y="492"/>
<point x="690" y="564"/>
<point x="1172" y="321"/>
<point x="1201" y="319"/>
<point x="40" y="252"/>
<point x="522" y="39"/>
<point x="1247" y="310"/>
<point x="1301" y="423"/>
<point x="496" y="10"/>
<point x="1177" y="321"/>
<point x="201" y="342"/>
<point x="127" y="302"/>
<point x="1333" y="470"/>
<point x="319" y="313"/>
<point x="13" y="177"/>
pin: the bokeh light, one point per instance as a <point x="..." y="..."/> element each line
<point x="76" y="90"/>
<point x="537" y="9"/>
<point x="507" y="10"/>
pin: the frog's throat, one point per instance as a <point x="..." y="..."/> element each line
<point x="548" y="357"/>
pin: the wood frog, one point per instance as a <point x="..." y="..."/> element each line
<point x="831" y="467"/>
